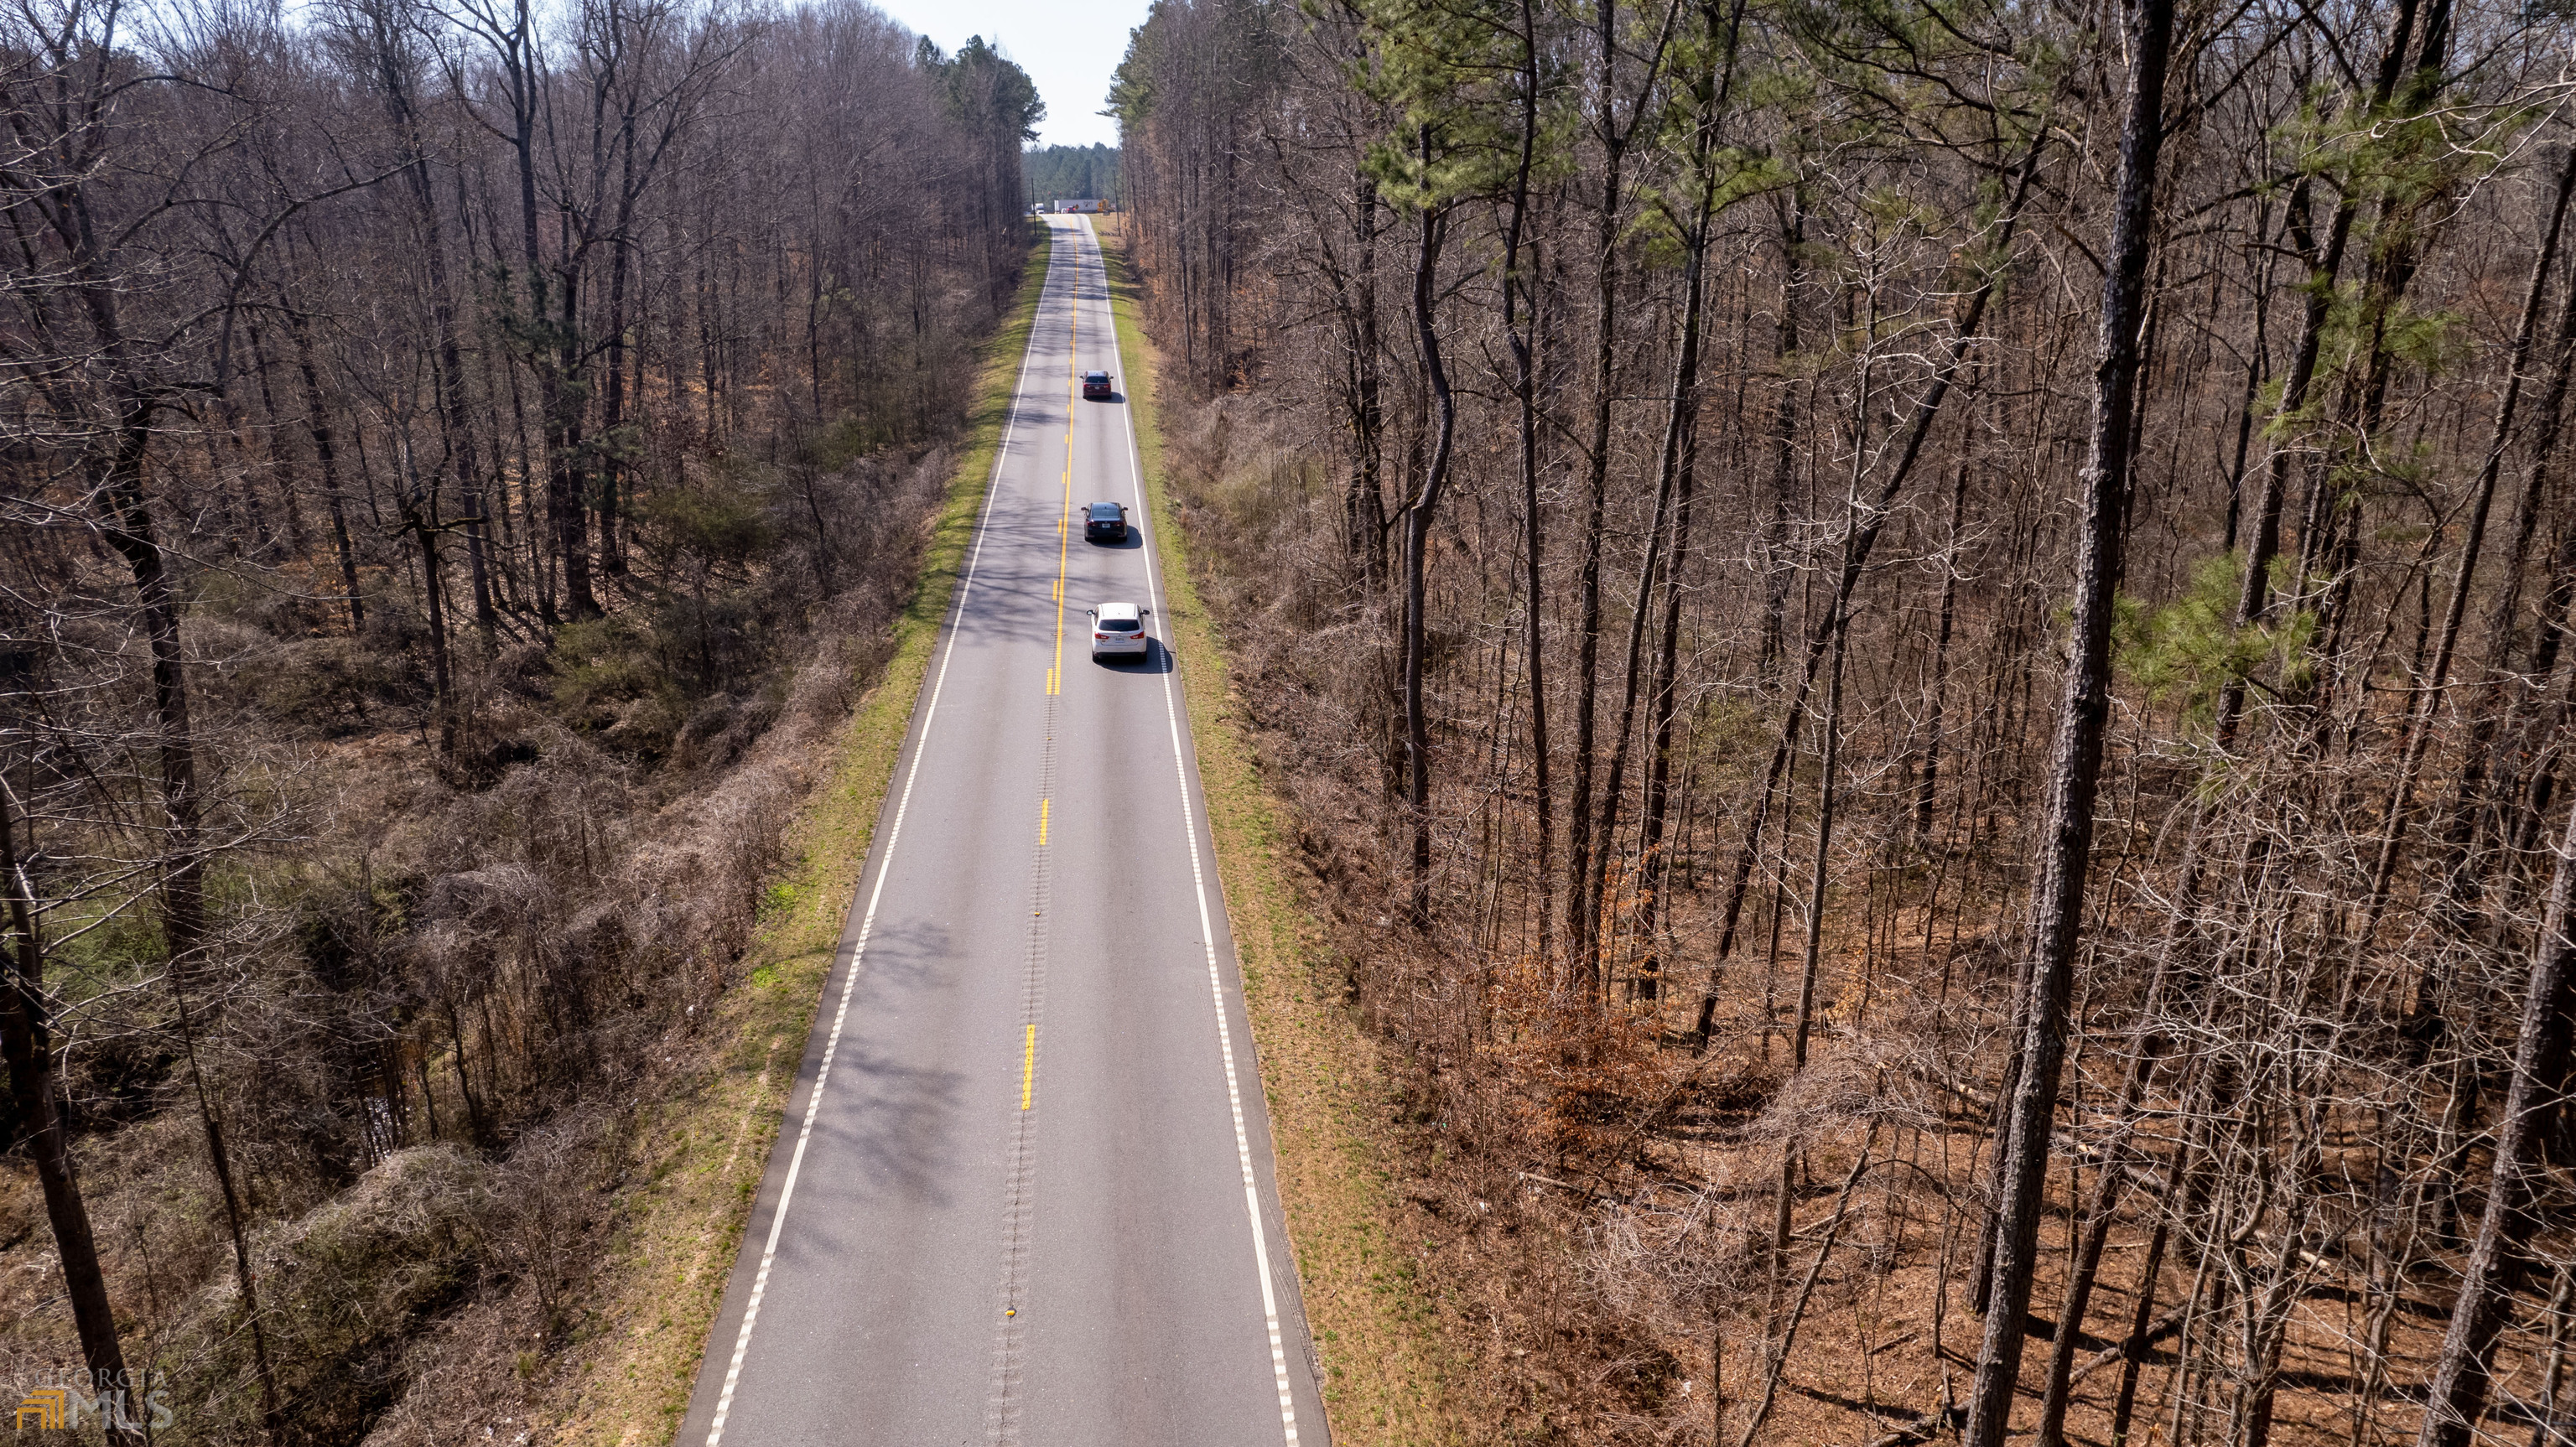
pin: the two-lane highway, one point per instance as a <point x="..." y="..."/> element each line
<point x="1023" y="1191"/>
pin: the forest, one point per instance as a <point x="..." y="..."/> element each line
<point x="462" y="458"/>
<point x="1917" y="652"/>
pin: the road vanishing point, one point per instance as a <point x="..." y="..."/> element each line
<point x="1023" y="1193"/>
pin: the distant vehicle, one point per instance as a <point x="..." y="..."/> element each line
<point x="1118" y="631"/>
<point x="1104" y="522"/>
<point x="1096" y="387"/>
<point x="1082" y="205"/>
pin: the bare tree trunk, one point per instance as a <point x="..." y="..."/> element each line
<point x="556" y="360"/>
<point x="1580" y="934"/>
<point x="1927" y="788"/>
<point x="2255" y="357"/>
<point x="1582" y="928"/>
<point x="281" y="463"/>
<point x="317" y="420"/>
<point x="2075" y="770"/>
<point x="33" y="1089"/>
<point x="1663" y="711"/>
<point x="2456" y="1396"/>
<point x="1364" y="509"/>
<point x="614" y="445"/>
<point x="2545" y="1424"/>
<point x="1417" y="541"/>
<point x="128" y="526"/>
<point x="1614" y="785"/>
<point x="1533" y="532"/>
<point x="235" y="1219"/>
<point x="569" y="498"/>
<point x="385" y="30"/>
<point x="1819" y="878"/>
<point x="1674" y="464"/>
<point x="2142" y="1330"/>
<point x="1784" y="435"/>
<point x="419" y="504"/>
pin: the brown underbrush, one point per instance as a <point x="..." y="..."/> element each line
<point x="1594" y="1198"/>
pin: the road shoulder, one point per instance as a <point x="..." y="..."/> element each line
<point x="1385" y="1374"/>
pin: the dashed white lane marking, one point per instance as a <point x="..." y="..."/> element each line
<point x="1207" y="931"/>
<point x="867" y="921"/>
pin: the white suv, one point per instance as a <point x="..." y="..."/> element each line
<point x="1118" y="631"/>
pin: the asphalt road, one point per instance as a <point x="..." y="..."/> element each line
<point x="1023" y="1191"/>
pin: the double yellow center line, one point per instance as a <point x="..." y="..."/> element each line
<point x="1055" y="669"/>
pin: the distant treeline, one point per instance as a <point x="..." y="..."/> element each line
<point x="1070" y="172"/>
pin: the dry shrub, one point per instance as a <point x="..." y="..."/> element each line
<point x="655" y="882"/>
<point x="342" y="1291"/>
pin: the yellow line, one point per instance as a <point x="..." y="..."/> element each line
<point x="1063" y="561"/>
<point x="1029" y="1066"/>
<point x="1042" y="821"/>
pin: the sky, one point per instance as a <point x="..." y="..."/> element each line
<point x="1069" y="47"/>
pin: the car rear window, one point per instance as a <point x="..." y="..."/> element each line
<point x="1106" y="512"/>
<point x="1115" y="624"/>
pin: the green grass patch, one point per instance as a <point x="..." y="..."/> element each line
<point x="1388" y="1378"/>
<point x="700" y="1152"/>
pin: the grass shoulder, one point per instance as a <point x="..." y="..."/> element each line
<point x="1389" y="1381"/>
<point x="703" y="1148"/>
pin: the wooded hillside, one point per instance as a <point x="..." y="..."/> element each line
<point x="461" y="462"/>
<point x="1921" y="649"/>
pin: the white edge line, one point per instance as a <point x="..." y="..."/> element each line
<point x="885" y="866"/>
<point x="1207" y="931"/>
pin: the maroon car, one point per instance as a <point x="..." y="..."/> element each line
<point x="1096" y="388"/>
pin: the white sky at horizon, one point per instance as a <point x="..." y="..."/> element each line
<point x="1069" y="47"/>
